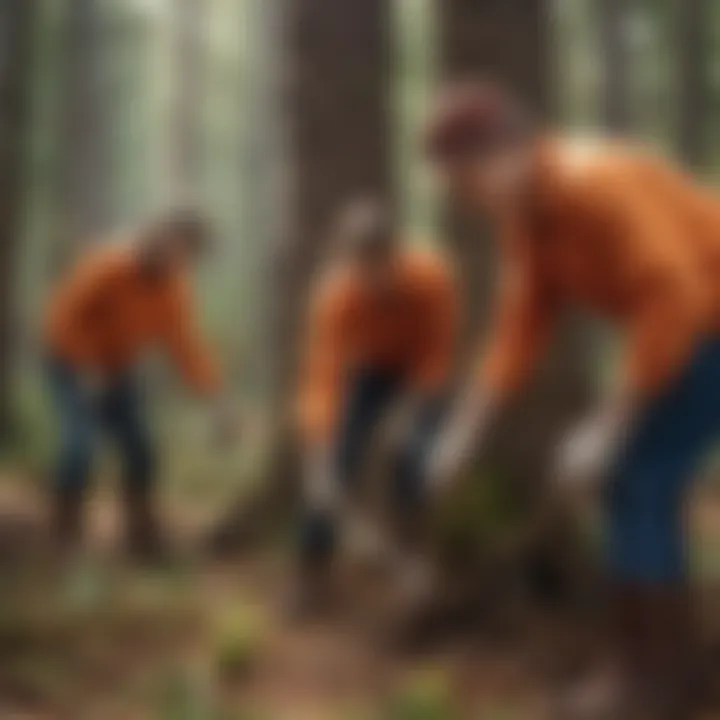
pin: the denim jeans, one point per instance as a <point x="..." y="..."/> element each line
<point x="370" y="393"/>
<point x="84" y="416"/>
<point x="646" y="534"/>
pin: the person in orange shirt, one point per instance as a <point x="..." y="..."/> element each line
<point x="612" y="229"/>
<point x="122" y="298"/>
<point x="380" y="334"/>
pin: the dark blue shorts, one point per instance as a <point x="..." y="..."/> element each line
<point x="646" y="531"/>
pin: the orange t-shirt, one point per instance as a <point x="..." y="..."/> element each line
<point x="617" y="231"/>
<point x="106" y="312"/>
<point x="412" y="331"/>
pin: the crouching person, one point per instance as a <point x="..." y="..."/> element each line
<point x="123" y="297"/>
<point x="380" y="337"/>
<point x="618" y="233"/>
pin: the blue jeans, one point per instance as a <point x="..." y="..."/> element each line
<point x="116" y="411"/>
<point x="370" y="393"/>
<point x="646" y="534"/>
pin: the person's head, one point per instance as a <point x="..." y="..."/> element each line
<point x="478" y="139"/>
<point x="365" y="236"/>
<point x="176" y="238"/>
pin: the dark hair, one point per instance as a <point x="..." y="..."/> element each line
<point x="364" y="226"/>
<point x="187" y="223"/>
<point x="471" y="116"/>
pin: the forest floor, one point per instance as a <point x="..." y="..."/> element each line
<point x="101" y="639"/>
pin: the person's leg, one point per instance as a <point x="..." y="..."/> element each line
<point x="123" y="416"/>
<point x="408" y="481"/>
<point x="369" y="392"/>
<point x="647" y="532"/>
<point x="76" y="423"/>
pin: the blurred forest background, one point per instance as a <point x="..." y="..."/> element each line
<point x="124" y="105"/>
<point x="271" y="112"/>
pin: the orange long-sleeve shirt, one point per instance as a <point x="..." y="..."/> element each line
<point x="106" y="312"/>
<point x="413" y="331"/>
<point x="619" y="232"/>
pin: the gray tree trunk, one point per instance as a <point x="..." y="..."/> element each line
<point x="692" y="38"/>
<point x="16" y="32"/>
<point x="85" y="182"/>
<point x="185" y="151"/>
<point x="337" y="104"/>
<point x="615" y="56"/>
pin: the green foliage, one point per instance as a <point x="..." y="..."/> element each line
<point x="424" y="695"/>
<point x="483" y="510"/>
<point x="183" y="696"/>
<point x="239" y="635"/>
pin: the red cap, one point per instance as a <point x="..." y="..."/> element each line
<point x="468" y="116"/>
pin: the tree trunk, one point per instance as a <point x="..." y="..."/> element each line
<point x="85" y="182"/>
<point x="187" y="87"/>
<point x="507" y="41"/>
<point x="692" y="29"/>
<point x="614" y="52"/>
<point x="16" y="32"/>
<point x="338" y="108"/>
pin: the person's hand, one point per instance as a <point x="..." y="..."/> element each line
<point x="459" y="440"/>
<point x="589" y="449"/>
<point x="225" y="423"/>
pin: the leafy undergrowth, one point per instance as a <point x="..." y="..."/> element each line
<point x="97" y="638"/>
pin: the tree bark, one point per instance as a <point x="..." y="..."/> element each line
<point x="16" y="32"/>
<point x="614" y="52"/>
<point x="186" y="117"/>
<point x="692" y="38"/>
<point x="337" y="101"/>
<point x="507" y="41"/>
<point x="85" y="183"/>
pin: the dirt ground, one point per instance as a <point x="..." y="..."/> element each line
<point x="100" y="639"/>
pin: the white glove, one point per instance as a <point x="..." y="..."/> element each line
<point x="459" y="440"/>
<point x="588" y="450"/>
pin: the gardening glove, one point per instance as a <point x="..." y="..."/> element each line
<point x="588" y="451"/>
<point x="459" y="440"/>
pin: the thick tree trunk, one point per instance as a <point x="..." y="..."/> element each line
<point x="614" y="52"/>
<point x="16" y="31"/>
<point x="507" y="41"/>
<point x="338" y="108"/>
<point x="692" y="39"/>
<point x="85" y="167"/>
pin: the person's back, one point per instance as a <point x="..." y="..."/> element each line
<point x="109" y="309"/>
<point x="606" y="204"/>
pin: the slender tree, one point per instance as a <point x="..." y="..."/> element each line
<point x="613" y="21"/>
<point x="189" y="42"/>
<point x="692" y="98"/>
<point x="16" y="30"/>
<point x="337" y="102"/>
<point x="85" y="180"/>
